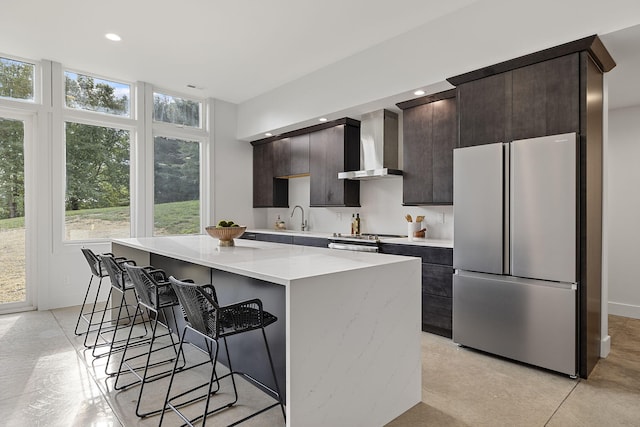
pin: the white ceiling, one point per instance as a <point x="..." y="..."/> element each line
<point x="234" y="50"/>
<point x="237" y="50"/>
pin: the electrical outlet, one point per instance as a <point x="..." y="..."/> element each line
<point x="443" y="217"/>
<point x="339" y="216"/>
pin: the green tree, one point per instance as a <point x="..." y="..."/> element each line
<point x="16" y="79"/>
<point x="170" y="109"/>
<point x="97" y="156"/>
<point x="84" y="93"/>
<point x="97" y="166"/>
<point x="11" y="168"/>
<point x="177" y="170"/>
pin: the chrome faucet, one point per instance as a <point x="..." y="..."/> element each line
<point x="304" y="223"/>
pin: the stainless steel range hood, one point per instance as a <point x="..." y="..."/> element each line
<point x="378" y="147"/>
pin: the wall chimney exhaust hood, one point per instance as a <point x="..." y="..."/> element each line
<point x="378" y="147"/>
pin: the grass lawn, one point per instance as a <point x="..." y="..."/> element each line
<point x="171" y="218"/>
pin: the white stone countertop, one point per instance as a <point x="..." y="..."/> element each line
<point x="442" y="243"/>
<point x="272" y="262"/>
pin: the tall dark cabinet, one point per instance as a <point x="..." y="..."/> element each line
<point x="558" y="90"/>
<point x="332" y="150"/>
<point x="430" y="134"/>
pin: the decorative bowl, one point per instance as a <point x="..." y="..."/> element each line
<point x="225" y="235"/>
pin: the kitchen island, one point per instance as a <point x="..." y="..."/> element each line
<point x="350" y="321"/>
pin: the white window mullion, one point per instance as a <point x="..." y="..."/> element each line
<point x="207" y="173"/>
<point x="138" y="178"/>
<point x="58" y="158"/>
<point x="146" y="119"/>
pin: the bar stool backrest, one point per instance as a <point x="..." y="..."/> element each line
<point x="146" y="284"/>
<point x="117" y="274"/>
<point x="200" y="307"/>
<point x="94" y="263"/>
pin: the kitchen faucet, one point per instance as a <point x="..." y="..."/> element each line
<point x="304" y="223"/>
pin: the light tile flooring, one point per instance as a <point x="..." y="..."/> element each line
<point x="47" y="379"/>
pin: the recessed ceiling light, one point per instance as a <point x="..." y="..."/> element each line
<point x="113" y="37"/>
<point x="268" y="134"/>
<point x="322" y="119"/>
<point x="419" y="92"/>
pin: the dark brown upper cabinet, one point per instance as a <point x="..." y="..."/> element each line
<point x="281" y="151"/>
<point x="332" y="150"/>
<point x="546" y="98"/>
<point x="430" y="135"/>
<point x="291" y="156"/>
<point x="299" y="151"/>
<point x="534" y="95"/>
<point x="268" y="191"/>
<point x="483" y="109"/>
<point x="536" y="100"/>
<point x="320" y="151"/>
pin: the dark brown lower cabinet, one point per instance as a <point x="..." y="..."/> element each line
<point x="437" y="284"/>
<point x="283" y="238"/>
<point x="436" y="299"/>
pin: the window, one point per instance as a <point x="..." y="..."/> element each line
<point x="94" y="94"/>
<point x="97" y="184"/>
<point x="176" y="168"/>
<point x="175" y="110"/>
<point x="17" y="79"/>
<point x="12" y="211"/>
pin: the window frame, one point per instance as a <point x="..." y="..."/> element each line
<point x="81" y="112"/>
<point x="63" y="114"/>
<point x="201" y="101"/>
<point x="90" y="122"/>
<point x="201" y="144"/>
<point x="37" y="84"/>
<point x="171" y="130"/>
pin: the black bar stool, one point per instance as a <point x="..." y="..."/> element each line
<point x="155" y="295"/>
<point x="121" y="284"/>
<point x="213" y="322"/>
<point x="88" y="312"/>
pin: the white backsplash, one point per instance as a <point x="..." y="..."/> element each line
<point x="381" y="212"/>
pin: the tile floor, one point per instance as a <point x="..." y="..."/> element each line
<point x="47" y="379"/>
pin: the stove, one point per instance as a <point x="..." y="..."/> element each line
<point x="366" y="242"/>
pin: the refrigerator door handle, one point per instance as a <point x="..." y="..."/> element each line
<point x="506" y="224"/>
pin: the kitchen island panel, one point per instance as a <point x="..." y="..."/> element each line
<point x="353" y="358"/>
<point x="351" y="319"/>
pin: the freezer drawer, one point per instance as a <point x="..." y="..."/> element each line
<point x="523" y="319"/>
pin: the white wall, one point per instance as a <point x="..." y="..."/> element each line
<point x="427" y="55"/>
<point x="381" y="211"/>
<point x="623" y="207"/>
<point x="232" y="173"/>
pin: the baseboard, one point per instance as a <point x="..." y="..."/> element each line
<point x="605" y="346"/>
<point x="17" y="309"/>
<point x="625" y="310"/>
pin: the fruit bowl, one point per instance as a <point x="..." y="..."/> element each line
<point x="225" y="235"/>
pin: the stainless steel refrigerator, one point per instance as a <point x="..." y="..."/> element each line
<point x="515" y="250"/>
